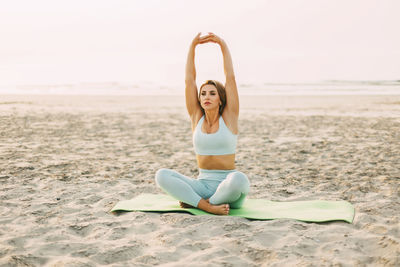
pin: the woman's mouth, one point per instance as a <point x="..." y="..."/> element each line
<point x="207" y="103"/>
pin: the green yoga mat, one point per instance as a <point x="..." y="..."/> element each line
<point x="258" y="209"/>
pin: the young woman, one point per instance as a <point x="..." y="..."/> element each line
<point x="214" y="113"/>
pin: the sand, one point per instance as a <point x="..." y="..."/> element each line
<point x="65" y="161"/>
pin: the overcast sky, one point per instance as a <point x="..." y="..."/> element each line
<point x="47" y="41"/>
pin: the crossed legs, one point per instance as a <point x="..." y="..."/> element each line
<point x="231" y="192"/>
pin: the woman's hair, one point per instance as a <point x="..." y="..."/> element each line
<point x="221" y="93"/>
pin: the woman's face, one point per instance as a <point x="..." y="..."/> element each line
<point x="209" y="98"/>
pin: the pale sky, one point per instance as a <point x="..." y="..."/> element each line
<point x="47" y="41"/>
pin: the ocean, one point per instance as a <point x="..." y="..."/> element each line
<point x="333" y="87"/>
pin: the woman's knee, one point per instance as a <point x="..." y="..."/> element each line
<point x="162" y="175"/>
<point x="239" y="180"/>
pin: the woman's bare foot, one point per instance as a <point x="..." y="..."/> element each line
<point x="185" y="206"/>
<point x="205" y="205"/>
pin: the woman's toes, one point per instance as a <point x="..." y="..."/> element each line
<point x="227" y="209"/>
<point x="184" y="205"/>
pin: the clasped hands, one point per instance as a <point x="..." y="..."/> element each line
<point x="209" y="38"/>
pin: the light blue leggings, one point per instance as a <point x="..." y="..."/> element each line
<point x="220" y="186"/>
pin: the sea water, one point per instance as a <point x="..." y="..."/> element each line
<point x="149" y="88"/>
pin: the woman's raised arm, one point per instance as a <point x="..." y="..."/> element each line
<point x="232" y="96"/>
<point x="192" y="103"/>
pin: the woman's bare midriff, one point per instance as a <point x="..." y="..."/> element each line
<point x="220" y="162"/>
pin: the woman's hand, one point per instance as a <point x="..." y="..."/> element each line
<point x="209" y="38"/>
<point x="196" y="40"/>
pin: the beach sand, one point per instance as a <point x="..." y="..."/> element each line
<point x="65" y="161"/>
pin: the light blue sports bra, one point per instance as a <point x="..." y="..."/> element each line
<point x="222" y="142"/>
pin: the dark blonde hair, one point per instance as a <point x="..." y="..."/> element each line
<point x="221" y="92"/>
